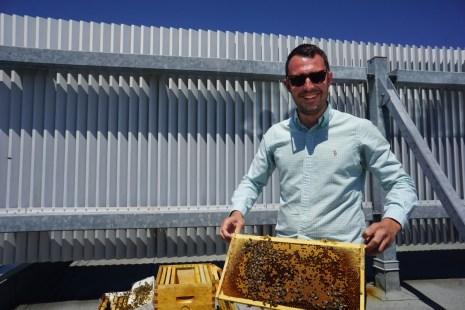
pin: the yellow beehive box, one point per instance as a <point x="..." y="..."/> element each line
<point x="190" y="286"/>
<point x="284" y="273"/>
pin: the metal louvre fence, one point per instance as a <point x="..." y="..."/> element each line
<point x="82" y="139"/>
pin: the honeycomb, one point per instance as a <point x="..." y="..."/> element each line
<point x="284" y="273"/>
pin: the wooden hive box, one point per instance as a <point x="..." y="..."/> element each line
<point x="190" y="286"/>
<point x="284" y="273"/>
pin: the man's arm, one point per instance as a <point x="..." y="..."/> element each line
<point x="246" y="194"/>
<point x="399" y="186"/>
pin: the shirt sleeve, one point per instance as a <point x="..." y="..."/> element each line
<point x="377" y="158"/>
<point x="250" y="188"/>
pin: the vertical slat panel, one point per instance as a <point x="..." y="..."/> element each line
<point x="5" y="104"/>
<point x="90" y="240"/>
<point x="44" y="246"/>
<point x="182" y="143"/>
<point x="102" y="136"/>
<point x="142" y="243"/>
<point x="162" y="155"/>
<point x="231" y="180"/>
<point x="32" y="247"/>
<point x="192" y="144"/>
<point x="172" y="149"/>
<point x="225" y="161"/>
<point x="12" y="184"/>
<point x="143" y="143"/>
<point x="77" y="243"/>
<point x="152" y="136"/>
<point x="112" y="144"/>
<point x="91" y="139"/>
<point x="70" y="147"/>
<point x="37" y="138"/>
<point x="99" y="245"/>
<point x="25" y="160"/>
<point x="239" y="169"/>
<point x="211" y="162"/>
<point x="122" y="160"/>
<point x="79" y="198"/>
<point x="133" y="142"/>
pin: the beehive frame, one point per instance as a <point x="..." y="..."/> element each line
<point x="185" y="286"/>
<point x="284" y="273"/>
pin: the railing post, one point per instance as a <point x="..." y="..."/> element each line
<point x="386" y="264"/>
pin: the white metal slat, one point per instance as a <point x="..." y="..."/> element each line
<point x="46" y="193"/>
<point x="249" y="148"/>
<point x="89" y="244"/>
<point x="193" y="171"/>
<point x="211" y="160"/>
<point x="142" y="243"/>
<point x="458" y="157"/>
<point x="101" y="144"/>
<point x="91" y="135"/>
<point x="37" y="131"/>
<point x="162" y="155"/>
<point x="70" y="147"/>
<point x="171" y="175"/>
<point x="111" y="199"/>
<point x="122" y="144"/>
<point x="135" y="40"/>
<point x="82" y="122"/>
<point x="5" y="106"/>
<point x="12" y="183"/>
<point x="32" y="247"/>
<point x="461" y="113"/>
<point x="224" y="137"/>
<point x="153" y="138"/>
<point x="133" y="142"/>
<point x="448" y="138"/>
<point x="143" y="143"/>
<point x="44" y="245"/>
<point x="229" y="164"/>
<point x="98" y="237"/>
<point x="182" y="142"/>
<point x="25" y="142"/>
<point x="5" y="26"/>
<point x="110" y="244"/>
<point x="239" y="169"/>
<point x="201" y="179"/>
<point x="77" y="245"/>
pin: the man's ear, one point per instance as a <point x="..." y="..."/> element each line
<point x="287" y="84"/>
<point x="329" y="77"/>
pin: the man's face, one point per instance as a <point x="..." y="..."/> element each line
<point x="310" y="98"/>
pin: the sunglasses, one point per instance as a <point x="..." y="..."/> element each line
<point x="315" y="77"/>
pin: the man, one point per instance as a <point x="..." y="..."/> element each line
<point x="322" y="156"/>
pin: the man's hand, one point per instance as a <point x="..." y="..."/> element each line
<point x="232" y="224"/>
<point x="379" y="236"/>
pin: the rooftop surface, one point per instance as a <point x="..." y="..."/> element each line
<point x="432" y="277"/>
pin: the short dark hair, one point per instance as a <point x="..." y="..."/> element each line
<point x="307" y="50"/>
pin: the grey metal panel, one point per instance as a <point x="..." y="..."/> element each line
<point x="429" y="79"/>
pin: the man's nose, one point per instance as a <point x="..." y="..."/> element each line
<point x="308" y="83"/>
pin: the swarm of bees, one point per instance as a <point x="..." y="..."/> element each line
<point x="139" y="297"/>
<point x="295" y="275"/>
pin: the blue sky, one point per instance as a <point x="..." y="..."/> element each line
<point x="406" y="22"/>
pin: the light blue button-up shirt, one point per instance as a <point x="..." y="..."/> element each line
<point x="322" y="173"/>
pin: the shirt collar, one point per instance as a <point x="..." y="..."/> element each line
<point x="322" y="121"/>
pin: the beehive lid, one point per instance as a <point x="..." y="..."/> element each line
<point x="283" y="273"/>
